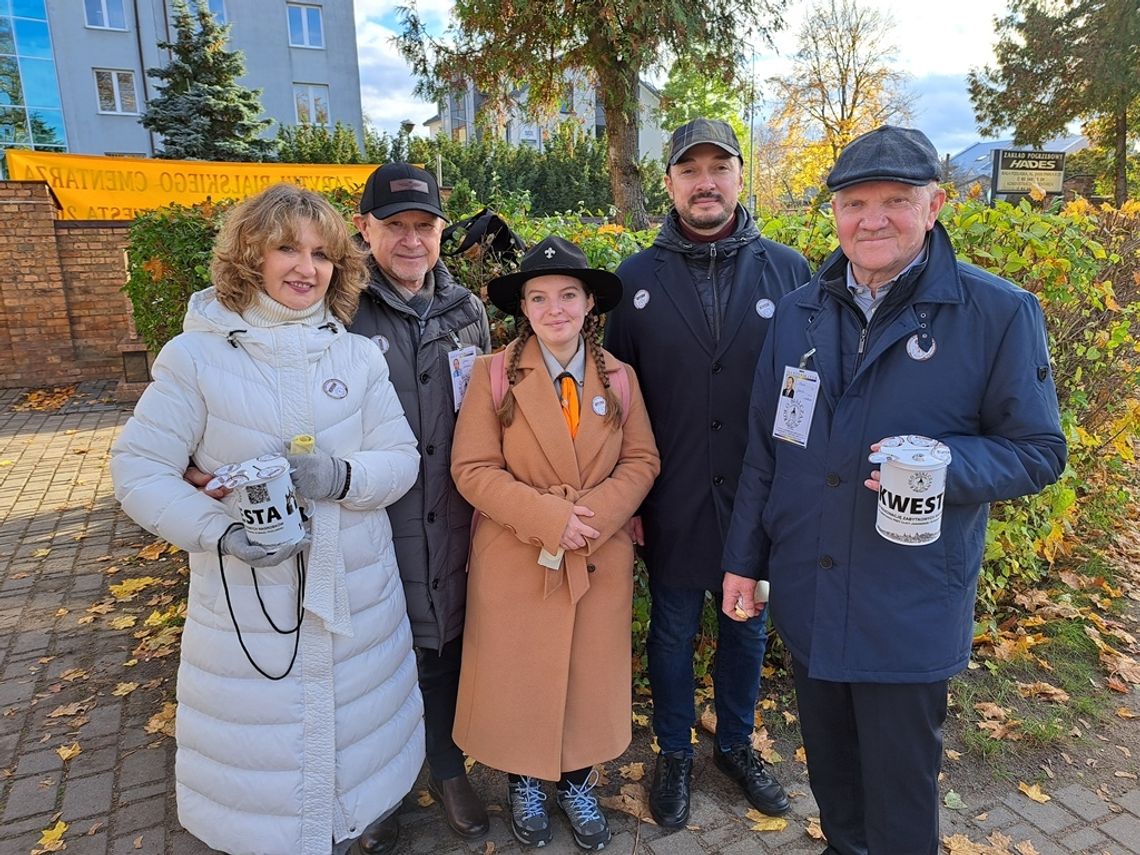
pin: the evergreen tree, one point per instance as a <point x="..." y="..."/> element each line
<point x="317" y="144"/>
<point x="202" y="112"/>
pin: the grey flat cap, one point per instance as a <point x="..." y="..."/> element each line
<point x="886" y="154"/>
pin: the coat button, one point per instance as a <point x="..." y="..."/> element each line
<point x="435" y="584"/>
<point x="832" y="479"/>
<point x="425" y="377"/>
<point x="716" y="368"/>
<point x="590" y="568"/>
<point x="431" y="516"/>
<point x="718" y="480"/>
<point x="825" y="562"/>
<point x="717" y="424"/>
<point x="430" y="449"/>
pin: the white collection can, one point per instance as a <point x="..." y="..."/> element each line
<point x="267" y="502"/>
<point x="912" y="487"/>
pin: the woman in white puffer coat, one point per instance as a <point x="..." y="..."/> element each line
<point x="328" y="737"/>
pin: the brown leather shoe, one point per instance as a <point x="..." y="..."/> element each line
<point x="378" y="839"/>
<point x="461" y="807"/>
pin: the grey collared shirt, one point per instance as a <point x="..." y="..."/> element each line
<point x="576" y="367"/>
<point x="862" y="295"/>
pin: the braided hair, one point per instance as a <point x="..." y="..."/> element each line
<point x="591" y="333"/>
<point x="523" y="331"/>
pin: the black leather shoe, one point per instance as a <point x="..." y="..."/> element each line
<point x="379" y="838"/>
<point x="462" y="808"/>
<point x="669" y="794"/>
<point x="743" y="765"/>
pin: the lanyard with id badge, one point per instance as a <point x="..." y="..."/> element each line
<point x="799" y="391"/>
<point x="459" y="364"/>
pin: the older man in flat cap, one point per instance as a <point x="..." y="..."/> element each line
<point x="893" y="344"/>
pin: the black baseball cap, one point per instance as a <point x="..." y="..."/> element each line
<point x="888" y="153"/>
<point x="398" y="187"/>
<point x="699" y="131"/>
<point x="550" y="257"/>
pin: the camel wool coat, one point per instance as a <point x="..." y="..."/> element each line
<point x="545" y="684"/>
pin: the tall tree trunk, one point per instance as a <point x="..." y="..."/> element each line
<point x="1120" y="134"/>
<point x="619" y="87"/>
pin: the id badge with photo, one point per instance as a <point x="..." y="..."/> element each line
<point x="459" y="365"/>
<point x="799" y="391"/>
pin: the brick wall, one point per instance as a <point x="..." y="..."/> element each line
<point x="62" y="310"/>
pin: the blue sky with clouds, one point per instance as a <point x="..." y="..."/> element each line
<point x="936" y="47"/>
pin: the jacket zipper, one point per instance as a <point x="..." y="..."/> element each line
<point x="715" y="293"/>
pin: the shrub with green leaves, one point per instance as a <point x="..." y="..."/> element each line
<point x="1081" y="261"/>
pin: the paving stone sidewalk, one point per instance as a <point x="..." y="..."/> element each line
<point x="60" y="529"/>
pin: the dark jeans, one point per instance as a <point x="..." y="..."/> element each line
<point x="439" y="684"/>
<point x="674" y="619"/>
<point x="874" y="752"/>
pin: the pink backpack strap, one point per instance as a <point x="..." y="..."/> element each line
<point x="498" y="378"/>
<point x="620" y="381"/>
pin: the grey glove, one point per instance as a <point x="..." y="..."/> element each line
<point x="236" y="542"/>
<point x="318" y="476"/>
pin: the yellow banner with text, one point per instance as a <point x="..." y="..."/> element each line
<point x="90" y="187"/>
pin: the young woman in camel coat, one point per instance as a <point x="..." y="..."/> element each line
<point x="545" y="687"/>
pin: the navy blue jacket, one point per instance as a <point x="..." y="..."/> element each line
<point x="853" y="605"/>
<point x="696" y="387"/>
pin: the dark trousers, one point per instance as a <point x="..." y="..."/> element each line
<point x="439" y="684"/>
<point x="674" y="619"/>
<point x="874" y="751"/>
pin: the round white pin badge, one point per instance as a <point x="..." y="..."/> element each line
<point x="381" y="342"/>
<point x="641" y="299"/>
<point x="335" y="388"/>
<point x="915" y="352"/>
<point x="599" y="405"/>
<point x="765" y="308"/>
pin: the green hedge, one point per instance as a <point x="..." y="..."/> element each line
<point x="1082" y="262"/>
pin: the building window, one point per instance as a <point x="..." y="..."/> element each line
<point x="105" y="14"/>
<point x="305" y="27"/>
<point x="312" y="103"/>
<point x="116" y="91"/>
<point x="30" y="114"/>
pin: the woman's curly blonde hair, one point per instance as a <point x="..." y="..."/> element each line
<point x="273" y="218"/>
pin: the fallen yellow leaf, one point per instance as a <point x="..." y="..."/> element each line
<point x="641" y="720"/>
<point x="801" y="755"/>
<point x="632" y="771"/>
<point x="66" y="752"/>
<point x="124" y="622"/>
<point x="41" y="553"/>
<point x="153" y="551"/>
<point x="51" y="839"/>
<point x="813" y="829"/>
<point x="1034" y="792"/>
<point x="760" y="822"/>
<point x="1124" y="712"/>
<point x="708" y="720"/>
<point x="124" y="689"/>
<point x="424" y="799"/>
<point x="127" y="589"/>
<point x="162" y="721"/>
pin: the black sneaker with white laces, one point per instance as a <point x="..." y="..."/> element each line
<point x="742" y="764"/>
<point x="578" y="802"/>
<point x="530" y="822"/>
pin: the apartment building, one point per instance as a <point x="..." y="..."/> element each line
<point x="72" y="72"/>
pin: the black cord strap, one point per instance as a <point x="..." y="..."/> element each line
<point x="296" y="631"/>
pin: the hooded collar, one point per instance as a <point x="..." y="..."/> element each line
<point x="671" y="237"/>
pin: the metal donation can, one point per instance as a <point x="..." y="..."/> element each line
<point x="266" y="499"/>
<point x="912" y="486"/>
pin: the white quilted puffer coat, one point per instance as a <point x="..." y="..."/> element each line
<point x="288" y="766"/>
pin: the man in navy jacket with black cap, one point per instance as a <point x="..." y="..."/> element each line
<point x="694" y="314"/>
<point x="893" y="336"/>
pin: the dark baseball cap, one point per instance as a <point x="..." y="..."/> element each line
<point x="699" y="131"/>
<point x="398" y="187"/>
<point x="888" y="153"/>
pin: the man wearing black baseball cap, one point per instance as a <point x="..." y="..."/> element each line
<point x="893" y="337"/>
<point x="424" y="322"/>
<point x="694" y="313"/>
